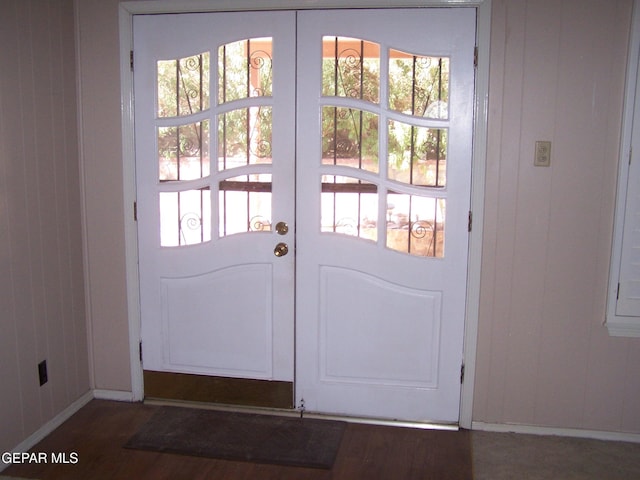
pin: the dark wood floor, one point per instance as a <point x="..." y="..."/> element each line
<point x="98" y="431"/>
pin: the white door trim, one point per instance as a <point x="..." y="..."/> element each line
<point x="126" y="12"/>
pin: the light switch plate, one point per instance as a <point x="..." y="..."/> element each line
<point x="542" y="156"/>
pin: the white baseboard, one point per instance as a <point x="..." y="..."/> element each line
<point x="560" y="432"/>
<point x="117" y="395"/>
<point x="50" y="426"/>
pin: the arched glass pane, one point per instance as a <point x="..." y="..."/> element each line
<point x="415" y="224"/>
<point x="183" y="85"/>
<point x="419" y="85"/>
<point x="349" y="206"/>
<point x="244" y="137"/>
<point x="245" y="204"/>
<point x="350" y="68"/>
<point x="185" y="217"/>
<point x="183" y="151"/>
<point x="245" y="69"/>
<point x="417" y="155"/>
<point x="350" y="138"/>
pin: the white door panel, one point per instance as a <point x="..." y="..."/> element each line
<point x="238" y="343"/>
<point x="379" y="331"/>
<point x="207" y="301"/>
<point x="355" y="305"/>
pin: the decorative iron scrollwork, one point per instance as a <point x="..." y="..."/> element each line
<point x="261" y="148"/>
<point x="261" y="61"/>
<point x="192" y="63"/>
<point x="421" y="229"/>
<point x="346" y="225"/>
<point x="190" y="74"/>
<point x="190" y="222"/>
<point x="350" y="65"/>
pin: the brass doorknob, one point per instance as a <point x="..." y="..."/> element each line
<point x="282" y="228"/>
<point x="281" y="249"/>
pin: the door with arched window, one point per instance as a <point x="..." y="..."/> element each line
<point x="303" y="188"/>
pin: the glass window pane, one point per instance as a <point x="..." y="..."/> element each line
<point x="415" y="224"/>
<point x="244" y="137"/>
<point x="183" y="85"/>
<point x="419" y="85"/>
<point x="185" y="217"/>
<point x="351" y="68"/>
<point x="183" y="151"/>
<point x="245" y="69"/>
<point x="349" y="206"/>
<point x="350" y="138"/>
<point x="417" y="155"/>
<point x="245" y="204"/>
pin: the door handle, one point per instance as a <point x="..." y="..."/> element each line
<point x="282" y="228"/>
<point x="281" y="249"/>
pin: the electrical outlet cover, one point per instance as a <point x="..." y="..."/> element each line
<point x="543" y="154"/>
<point x="42" y="372"/>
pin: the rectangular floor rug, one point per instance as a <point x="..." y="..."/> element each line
<point x="241" y="436"/>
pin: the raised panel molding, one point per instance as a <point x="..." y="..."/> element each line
<point x="350" y="303"/>
<point x="184" y="344"/>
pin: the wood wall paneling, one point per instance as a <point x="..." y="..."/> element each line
<point x="544" y="356"/>
<point x="42" y="314"/>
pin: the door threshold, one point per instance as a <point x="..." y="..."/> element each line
<point x="284" y="412"/>
<point x="206" y="389"/>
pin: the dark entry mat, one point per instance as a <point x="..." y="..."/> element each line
<point x="241" y="436"/>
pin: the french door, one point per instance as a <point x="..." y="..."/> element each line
<point x="303" y="188"/>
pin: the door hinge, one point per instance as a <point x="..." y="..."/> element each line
<point x="140" y="351"/>
<point x="131" y="59"/>
<point x="462" y="373"/>
<point x="470" y="221"/>
<point x="135" y="211"/>
<point x="618" y="292"/>
<point x="475" y="57"/>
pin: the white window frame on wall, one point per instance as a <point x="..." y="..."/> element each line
<point x="623" y="313"/>
<point x="141" y="7"/>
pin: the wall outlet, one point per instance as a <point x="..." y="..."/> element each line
<point x="543" y="154"/>
<point x="42" y="372"/>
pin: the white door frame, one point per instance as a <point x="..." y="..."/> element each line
<point x="130" y="8"/>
